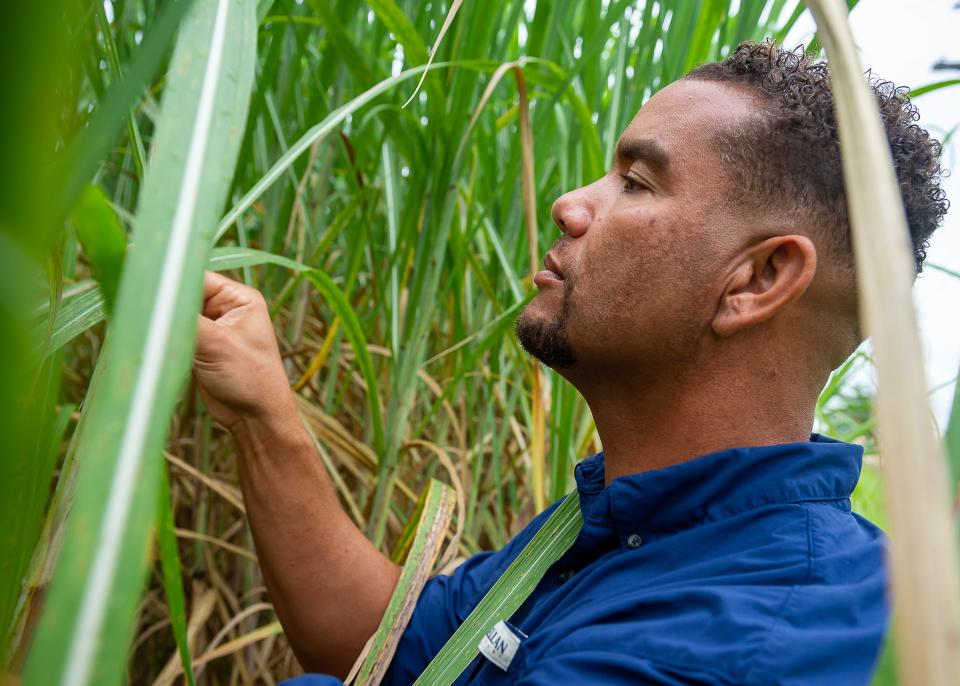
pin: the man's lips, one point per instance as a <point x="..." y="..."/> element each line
<point x="552" y="273"/>
<point x="546" y="277"/>
<point x="550" y="262"/>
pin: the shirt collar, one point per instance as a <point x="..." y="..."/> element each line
<point x="718" y="485"/>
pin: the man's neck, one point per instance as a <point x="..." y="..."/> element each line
<point x="645" y="426"/>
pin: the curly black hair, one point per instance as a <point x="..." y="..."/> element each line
<point x="792" y="162"/>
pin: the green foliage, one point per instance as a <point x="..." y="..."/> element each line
<point x="403" y="260"/>
<point x="935" y="86"/>
<point x="422" y="544"/>
<point x="34" y="51"/>
<point x="952" y="436"/>
<point x="172" y="581"/>
<point x="89" y="615"/>
<point x="103" y="240"/>
<point x="91" y="143"/>
<point x="508" y="593"/>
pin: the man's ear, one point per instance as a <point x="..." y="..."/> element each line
<point x="768" y="277"/>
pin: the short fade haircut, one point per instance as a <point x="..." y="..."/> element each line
<point x="792" y="163"/>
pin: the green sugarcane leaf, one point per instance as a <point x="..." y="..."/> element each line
<point x="944" y="270"/>
<point x="263" y="9"/>
<point x="316" y="133"/>
<point x="25" y="489"/>
<point x="172" y="579"/>
<point x="233" y="258"/>
<point x="113" y="112"/>
<point x="88" y="617"/>
<point x="507" y="594"/>
<point x="223" y="259"/>
<point x="346" y="45"/>
<point x="398" y="23"/>
<point x="113" y="59"/>
<point x="102" y="238"/>
<point x="935" y="86"/>
<point x="354" y="331"/>
<point x="886" y="672"/>
<point x="952" y="438"/>
<point x="435" y="510"/>
<point x="82" y="312"/>
<point x="82" y="306"/>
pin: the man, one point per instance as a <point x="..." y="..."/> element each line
<point x="699" y="297"/>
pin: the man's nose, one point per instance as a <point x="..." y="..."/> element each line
<point x="572" y="213"/>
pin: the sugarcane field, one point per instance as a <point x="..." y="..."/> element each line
<point x="460" y="342"/>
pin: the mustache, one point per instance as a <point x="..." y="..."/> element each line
<point x="558" y="250"/>
<point x="559" y="245"/>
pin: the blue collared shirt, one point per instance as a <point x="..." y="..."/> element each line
<point x="744" y="566"/>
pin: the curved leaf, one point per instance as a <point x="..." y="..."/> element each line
<point x="102" y="238"/>
<point x="233" y="258"/>
<point x="88" y="618"/>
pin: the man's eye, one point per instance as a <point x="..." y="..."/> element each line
<point x="631" y="185"/>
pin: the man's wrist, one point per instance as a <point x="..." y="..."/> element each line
<point x="275" y="427"/>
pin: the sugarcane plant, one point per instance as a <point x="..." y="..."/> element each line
<point x="382" y="170"/>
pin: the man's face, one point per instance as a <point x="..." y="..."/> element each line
<point x="634" y="281"/>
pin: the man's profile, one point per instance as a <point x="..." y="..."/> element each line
<point x="698" y="297"/>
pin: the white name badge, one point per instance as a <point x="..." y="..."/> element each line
<point x="500" y="645"/>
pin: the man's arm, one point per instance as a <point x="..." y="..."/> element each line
<point x="329" y="585"/>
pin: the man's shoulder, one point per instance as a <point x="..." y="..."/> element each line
<point x="792" y="593"/>
<point x="845" y="546"/>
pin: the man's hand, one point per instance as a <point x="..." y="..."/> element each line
<point x="237" y="363"/>
<point x="329" y="585"/>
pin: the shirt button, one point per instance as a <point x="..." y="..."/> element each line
<point x="634" y="541"/>
<point x="565" y="575"/>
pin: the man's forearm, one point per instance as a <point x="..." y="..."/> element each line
<point x="329" y="585"/>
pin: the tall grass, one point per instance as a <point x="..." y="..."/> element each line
<point x="394" y="246"/>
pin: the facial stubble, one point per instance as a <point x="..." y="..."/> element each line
<point x="548" y="340"/>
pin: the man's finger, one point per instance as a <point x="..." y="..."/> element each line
<point x="213" y="282"/>
<point x="208" y="333"/>
<point x="220" y="295"/>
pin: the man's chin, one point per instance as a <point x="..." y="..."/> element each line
<point x="545" y="338"/>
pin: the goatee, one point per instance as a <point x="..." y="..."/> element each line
<point x="547" y="340"/>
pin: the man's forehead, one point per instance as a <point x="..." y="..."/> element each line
<point x="685" y="115"/>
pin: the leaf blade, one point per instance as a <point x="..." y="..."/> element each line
<point x="86" y="624"/>
<point x="102" y="238"/>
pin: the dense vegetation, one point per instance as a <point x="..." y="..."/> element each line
<point x="394" y="246"/>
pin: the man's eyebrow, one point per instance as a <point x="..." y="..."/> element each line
<point x="643" y="150"/>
